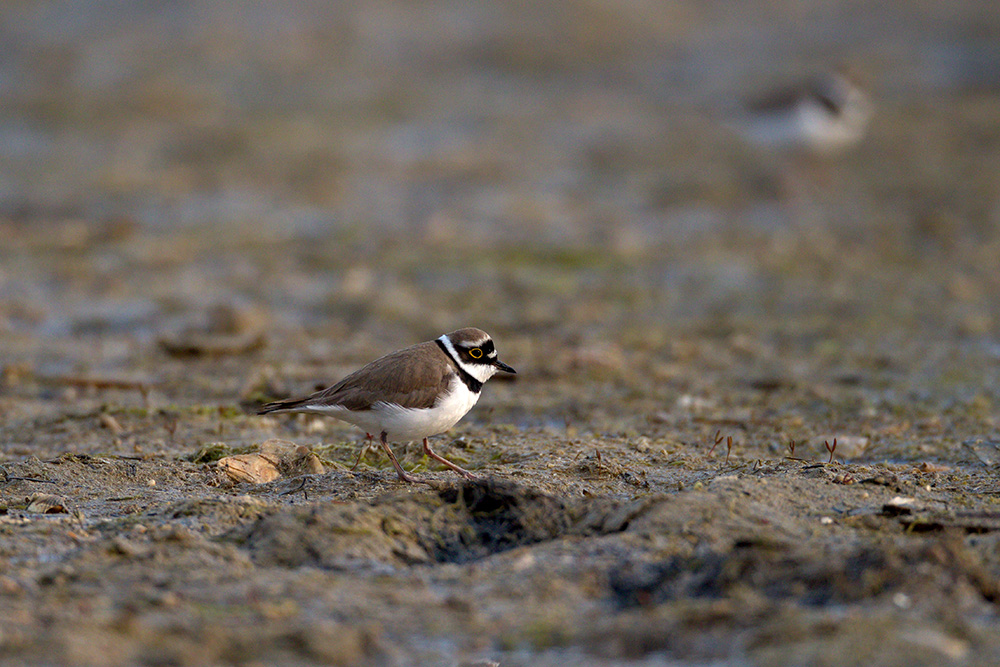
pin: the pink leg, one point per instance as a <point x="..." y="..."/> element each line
<point x="443" y="461"/>
<point x="403" y="477"/>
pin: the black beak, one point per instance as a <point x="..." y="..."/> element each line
<point x="504" y="367"/>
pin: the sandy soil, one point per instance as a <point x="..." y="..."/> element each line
<point x="204" y="208"/>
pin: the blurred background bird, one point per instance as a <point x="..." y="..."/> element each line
<point x="822" y="116"/>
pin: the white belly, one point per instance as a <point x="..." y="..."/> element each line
<point x="804" y="126"/>
<point x="411" y="423"/>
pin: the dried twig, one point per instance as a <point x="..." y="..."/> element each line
<point x="791" y="452"/>
<point x="11" y="478"/>
<point x="718" y="439"/>
<point x="301" y="487"/>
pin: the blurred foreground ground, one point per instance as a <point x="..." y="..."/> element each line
<point x="207" y="205"/>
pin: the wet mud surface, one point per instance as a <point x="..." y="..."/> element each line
<point x="755" y="415"/>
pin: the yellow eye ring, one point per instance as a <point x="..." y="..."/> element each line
<point x="475" y="353"/>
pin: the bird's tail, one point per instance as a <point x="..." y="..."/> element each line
<point x="280" y="406"/>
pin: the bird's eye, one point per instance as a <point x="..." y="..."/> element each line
<point x="475" y="353"/>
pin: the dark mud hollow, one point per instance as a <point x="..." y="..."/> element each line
<point x="776" y="574"/>
<point x="458" y="524"/>
<point x="492" y="517"/>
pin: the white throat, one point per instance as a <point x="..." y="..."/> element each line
<point x="481" y="372"/>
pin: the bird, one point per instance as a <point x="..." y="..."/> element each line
<point x="417" y="392"/>
<point x="798" y="132"/>
<point x="822" y="116"/>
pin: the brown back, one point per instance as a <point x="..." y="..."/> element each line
<point x="412" y="378"/>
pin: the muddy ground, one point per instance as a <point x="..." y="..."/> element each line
<point x="205" y="206"/>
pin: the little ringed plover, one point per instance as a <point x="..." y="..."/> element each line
<point x="414" y="393"/>
<point x="822" y="116"/>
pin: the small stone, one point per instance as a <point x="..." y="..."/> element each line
<point x="251" y="468"/>
<point x="45" y="503"/>
<point x="275" y="458"/>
